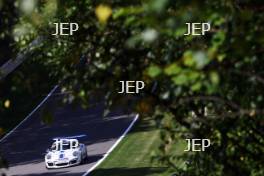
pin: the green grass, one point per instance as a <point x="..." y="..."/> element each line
<point x="132" y="157"/>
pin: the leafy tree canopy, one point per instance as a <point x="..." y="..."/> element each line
<point x="207" y="86"/>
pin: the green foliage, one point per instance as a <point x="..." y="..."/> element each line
<point x="143" y="40"/>
<point x="153" y="71"/>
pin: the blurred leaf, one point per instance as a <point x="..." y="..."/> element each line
<point x="196" y="59"/>
<point x="50" y="8"/>
<point x="154" y="71"/>
<point x="127" y="11"/>
<point x="82" y="93"/>
<point x="149" y="35"/>
<point x="188" y="59"/>
<point x="103" y="12"/>
<point x="193" y="75"/>
<point x="27" y="6"/>
<point x="144" y="106"/>
<point x="181" y="79"/>
<point x="7" y="104"/>
<point x="218" y="38"/>
<point x="214" y="77"/>
<point x="196" y="86"/>
<point x="201" y="59"/>
<point x="158" y="5"/>
<point x="172" y="69"/>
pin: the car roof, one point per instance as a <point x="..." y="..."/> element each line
<point x="70" y="137"/>
<point x="64" y="140"/>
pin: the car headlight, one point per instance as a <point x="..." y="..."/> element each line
<point x="48" y="156"/>
<point x="75" y="153"/>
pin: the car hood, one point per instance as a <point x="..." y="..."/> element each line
<point x="63" y="154"/>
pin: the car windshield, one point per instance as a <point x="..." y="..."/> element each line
<point x="66" y="147"/>
<point x="56" y="146"/>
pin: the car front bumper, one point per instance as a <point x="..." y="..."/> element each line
<point x="61" y="164"/>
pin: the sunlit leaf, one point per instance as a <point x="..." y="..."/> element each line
<point x="27" y="6"/>
<point x="201" y="59"/>
<point x="154" y="71"/>
<point x="7" y="103"/>
<point x="181" y="79"/>
<point x="103" y="12"/>
<point x="149" y="35"/>
<point x="214" y="77"/>
<point x="172" y="69"/>
<point x="197" y="86"/>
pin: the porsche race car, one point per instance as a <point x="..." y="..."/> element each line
<point x="65" y="152"/>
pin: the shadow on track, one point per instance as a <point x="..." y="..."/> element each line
<point x="93" y="158"/>
<point x="55" y="173"/>
<point x="123" y="171"/>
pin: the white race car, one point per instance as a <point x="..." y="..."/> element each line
<point x="65" y="152"/>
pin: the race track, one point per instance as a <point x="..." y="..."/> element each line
<point x="26" y="145"/>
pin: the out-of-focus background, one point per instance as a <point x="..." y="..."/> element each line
<point x="209" y="86"/>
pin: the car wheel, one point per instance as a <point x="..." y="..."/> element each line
<point x="82" y="160"/>
<point x="85" y="159"/>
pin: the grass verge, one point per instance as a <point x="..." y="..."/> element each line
<point x="132" y="157"/>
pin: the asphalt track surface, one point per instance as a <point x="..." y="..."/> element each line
<point x="26" y="145"/>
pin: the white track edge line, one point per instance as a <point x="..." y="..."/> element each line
<point x="113" y="147"/>
<point x="30" y="114"/>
